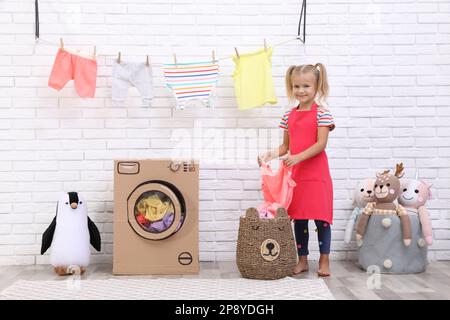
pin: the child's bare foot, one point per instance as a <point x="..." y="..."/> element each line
<point x="324" y="266"/>
<point x="302" y="265"/>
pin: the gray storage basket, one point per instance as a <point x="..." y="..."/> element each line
<point x="383" y="249"/>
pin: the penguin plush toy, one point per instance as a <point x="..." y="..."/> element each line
<point x="69" y="235"/>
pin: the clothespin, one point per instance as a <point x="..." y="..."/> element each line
<point x="61" y="43"/>
<point x="213" y="56"/>
<point x="265" y="44"/>
<point x="147" y="62"/>
<point x="118" y="57"/>
<point x="95" y="52"/>
<point x="175" y="59"/>
<point x="237" y="53"/>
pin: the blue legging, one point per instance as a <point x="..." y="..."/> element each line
<point x="302" y="236"/>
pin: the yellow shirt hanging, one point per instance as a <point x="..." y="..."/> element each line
<point x="253" y="81"/>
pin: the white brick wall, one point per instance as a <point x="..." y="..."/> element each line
<point x="389" y="69"/>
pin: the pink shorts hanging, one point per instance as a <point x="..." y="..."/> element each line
<point x="277" y="188"/>
<point x="68" y="66"/>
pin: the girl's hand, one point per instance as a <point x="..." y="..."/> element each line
<point x="292" y="160"/>
<point x="265" y="157"/>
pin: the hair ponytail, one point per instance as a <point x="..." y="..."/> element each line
<point x="322" y="83"/>
<point x="289" y="90"/>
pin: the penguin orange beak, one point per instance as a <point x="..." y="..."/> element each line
<point x="74" y="205"/>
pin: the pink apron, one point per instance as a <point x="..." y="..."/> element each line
<point x="313" y="195"/>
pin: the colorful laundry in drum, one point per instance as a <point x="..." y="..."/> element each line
<point x="155" y="212"/>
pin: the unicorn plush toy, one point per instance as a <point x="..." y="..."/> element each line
<point x="415" y="194"/>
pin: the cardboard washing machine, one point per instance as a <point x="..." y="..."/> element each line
<point x="155" y="217"/>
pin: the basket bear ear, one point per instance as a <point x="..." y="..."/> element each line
<point x="282" y="213"/>
<point x="252" y="213"/>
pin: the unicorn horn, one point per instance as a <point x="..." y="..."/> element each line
<point x="417" y="173"/>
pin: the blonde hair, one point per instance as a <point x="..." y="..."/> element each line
<point x="319" y="71"/>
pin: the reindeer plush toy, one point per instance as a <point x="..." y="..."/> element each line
<point x="386" y="189"/>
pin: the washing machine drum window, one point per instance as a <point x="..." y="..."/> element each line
<point x="156" y="211"/>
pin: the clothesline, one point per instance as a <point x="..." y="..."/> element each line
<point x="40" y="40"/>
<point x="191" y="83"/>
<point x="301" y="36"/>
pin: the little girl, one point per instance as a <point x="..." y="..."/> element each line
<point x="306" y="129"/>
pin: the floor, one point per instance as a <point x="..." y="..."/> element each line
<point x="347" y="280"/>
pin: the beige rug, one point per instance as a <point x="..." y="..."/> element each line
<point x="169" y="289"/>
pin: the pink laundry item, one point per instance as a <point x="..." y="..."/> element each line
<point x="277" y="188"/>
<point x="82" y="70"/>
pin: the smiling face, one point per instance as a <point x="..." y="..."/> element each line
<point x="387" y="188"/>
<point x="304" y="87"/>
<point x="364" y="193"/>
<point x="414" y="193"/>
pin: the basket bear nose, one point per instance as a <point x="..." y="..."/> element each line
<point x="270" y="246"/>
<point x="369" y="191"/>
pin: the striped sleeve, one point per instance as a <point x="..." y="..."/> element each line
<point x="284" y="120"/>
<point x="324" y="118"/>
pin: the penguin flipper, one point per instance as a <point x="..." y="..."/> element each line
<point x="47" y="237"/>
<point x="94" y="235"/>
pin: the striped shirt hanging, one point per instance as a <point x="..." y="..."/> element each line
<point x="192" y="82"/>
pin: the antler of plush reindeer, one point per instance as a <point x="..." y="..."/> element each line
<point x="399" y="170"/>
